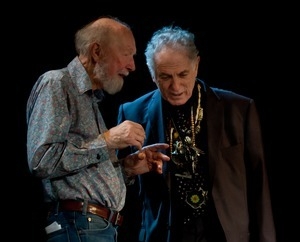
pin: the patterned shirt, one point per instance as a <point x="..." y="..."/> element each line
<point x="65" y="145"/>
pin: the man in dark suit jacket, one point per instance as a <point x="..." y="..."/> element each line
<point x="215" y="188"/>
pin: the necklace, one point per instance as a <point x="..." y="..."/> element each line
<point x="183" y="133"/>
<point x="184" y="152"/>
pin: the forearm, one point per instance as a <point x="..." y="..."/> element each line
<point x="63" y="158"/>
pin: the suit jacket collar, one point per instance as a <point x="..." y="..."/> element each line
<point x="213" y="109"/>
<point x="156" y="119"/>
<point x="214" y="119"/>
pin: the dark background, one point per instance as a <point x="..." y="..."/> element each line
<point x="234" y="48"/>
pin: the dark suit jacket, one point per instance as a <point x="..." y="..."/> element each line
<point x="240" y="188"/>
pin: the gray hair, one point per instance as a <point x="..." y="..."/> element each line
<point x="98" y="31"/>
<point x="170" y="36"/>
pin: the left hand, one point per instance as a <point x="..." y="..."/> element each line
<point x="149" y="158"/>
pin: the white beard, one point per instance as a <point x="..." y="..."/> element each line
<point x="110" y="85"/>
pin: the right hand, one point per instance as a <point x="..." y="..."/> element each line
<point x="125" y="134"/>
<point x="149" y="158"/>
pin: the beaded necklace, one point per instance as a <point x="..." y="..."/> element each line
<point x="189" y="174"/>
<point x="185" y="148"/>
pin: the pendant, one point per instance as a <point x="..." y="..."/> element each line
<point x="194" y="167"/>
<point x="188" y="140"/>
<point x="179" y="148"/>
<point x="184" y="175"/>
<point x="198" y="151"/>
<point x="196" y="199"/>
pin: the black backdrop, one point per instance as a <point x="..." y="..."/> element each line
<point x="234" y="49"/>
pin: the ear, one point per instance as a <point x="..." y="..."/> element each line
<point x="197" y="62"/>
<point x="96" y="51"/>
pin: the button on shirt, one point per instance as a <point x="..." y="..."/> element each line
<point x="65" y="145"/>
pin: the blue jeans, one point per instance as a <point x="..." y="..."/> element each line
<point x="79" y="227"/>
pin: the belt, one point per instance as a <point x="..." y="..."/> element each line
<point x="72" y="205"/>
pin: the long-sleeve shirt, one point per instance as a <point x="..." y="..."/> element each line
<point x="65" y="145"/>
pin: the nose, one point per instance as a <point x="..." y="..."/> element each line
<point x="131" y="65"/>
<point x="175" y="84"/>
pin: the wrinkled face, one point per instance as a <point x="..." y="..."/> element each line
<point x="117" y="62"/>
<point x="175" y="75"/>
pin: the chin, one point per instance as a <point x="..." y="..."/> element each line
<point x="177" y="102"/>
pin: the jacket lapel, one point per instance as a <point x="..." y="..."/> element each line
<point x="215" y="122"/>
<point x="154" y="129"/>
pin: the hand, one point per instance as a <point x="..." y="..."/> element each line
<point x="125" y="134"/>
<point x="149" y="158"/>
